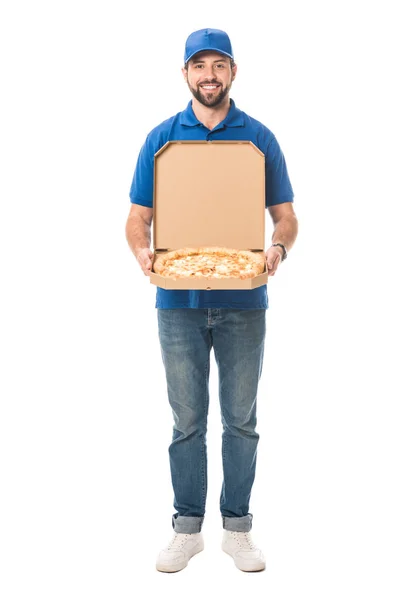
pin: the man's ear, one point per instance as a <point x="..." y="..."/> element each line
<point x="234" y="71"/>
<point x="184" y="73"/>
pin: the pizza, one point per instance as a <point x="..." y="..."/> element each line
<point x="210" y="262"/>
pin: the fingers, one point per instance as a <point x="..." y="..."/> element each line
<point x="273" y="260"/>
<point x="146" y="266"/>
<point x="272" y="266"/>
<point x="144" y="258"/>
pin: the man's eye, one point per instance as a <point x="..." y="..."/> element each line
<point x="198" y="66"/>
<point x="221" y="66"/>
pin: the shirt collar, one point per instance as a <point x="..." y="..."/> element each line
<point x="234" y="118"/>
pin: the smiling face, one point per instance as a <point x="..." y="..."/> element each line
<point x="209" y="76"/>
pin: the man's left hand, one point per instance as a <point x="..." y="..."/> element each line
<point x="273" y="257"/>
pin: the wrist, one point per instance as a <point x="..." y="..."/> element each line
<point x="282" y="248"/>
<point x="138" y="251"/>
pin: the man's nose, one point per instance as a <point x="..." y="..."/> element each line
<point x="208" y="72"/>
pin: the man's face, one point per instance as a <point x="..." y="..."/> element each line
<point x="209" y="77"/>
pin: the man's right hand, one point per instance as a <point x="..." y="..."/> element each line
<point x="144" y="257"/>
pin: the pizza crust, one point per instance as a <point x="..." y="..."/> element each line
<point x="210" y="262"/>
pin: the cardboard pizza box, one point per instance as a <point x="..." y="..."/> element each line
<point x="208" y="194"/>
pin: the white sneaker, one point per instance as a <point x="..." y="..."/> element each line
<point x="246" y="555"/>
<point x="179" y="551"/>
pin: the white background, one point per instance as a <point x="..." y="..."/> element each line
<point x="86" y="499"/>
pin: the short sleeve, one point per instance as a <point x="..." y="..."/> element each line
<point x="141" y="191"/>
<point x="278" y="186"/>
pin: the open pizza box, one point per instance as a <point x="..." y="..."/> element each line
<point x="208" y="194"/>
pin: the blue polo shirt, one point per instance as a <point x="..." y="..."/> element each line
<point x="236" y="126"/>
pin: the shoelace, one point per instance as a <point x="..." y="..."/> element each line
<point x="177" y="541"/>
<point x="244" y="540"/>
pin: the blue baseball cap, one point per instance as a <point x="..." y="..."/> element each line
<point x="208" y="39"/>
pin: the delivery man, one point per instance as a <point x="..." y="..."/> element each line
<point x="232" y="322"/>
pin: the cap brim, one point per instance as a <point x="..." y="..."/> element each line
<point x="208" y="49"/>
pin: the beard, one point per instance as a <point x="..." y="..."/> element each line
<point x="210" y="99"/>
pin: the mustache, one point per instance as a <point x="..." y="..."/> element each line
<point x="210" y="82"/>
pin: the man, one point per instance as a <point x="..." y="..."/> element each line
<point x="191" y="322"/>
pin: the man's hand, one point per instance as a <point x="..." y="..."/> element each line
<point x="144" y="257"/>
<point x="273" y="257"/>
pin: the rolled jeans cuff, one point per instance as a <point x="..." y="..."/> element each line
<point x="186" y="524"/>
<point x="237" y="523"/>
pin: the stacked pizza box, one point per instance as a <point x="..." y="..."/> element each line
<point x="209" y="195"/>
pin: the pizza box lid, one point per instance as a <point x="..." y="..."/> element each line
<point x="209" y="194"/>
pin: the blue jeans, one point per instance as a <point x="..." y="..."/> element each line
<point x="186" y="337"/>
